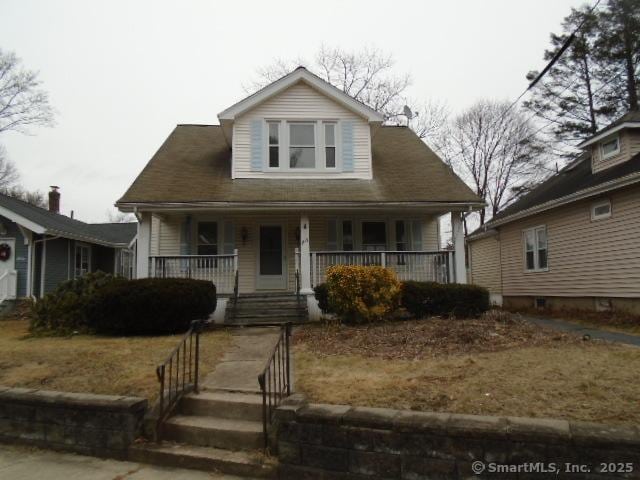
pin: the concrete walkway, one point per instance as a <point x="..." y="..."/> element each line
<point x="578" y="329"/>
<point x="22" y="463"/>
<point x="244" y="361"/>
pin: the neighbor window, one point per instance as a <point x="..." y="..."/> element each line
<point x="207" y="238"/>
<point x="347" y="235"/>
<point x="274" y="144"/>
<point x="330" y="145"/>
<point x="610" y="147"/>
<point x="402" y="238"/>
<point x="374" y="236"/>
<point x="83" y="260"/>
<point x="600" y="210"/>
<point x="535" y="249"/>
<point x="302" y="145"/>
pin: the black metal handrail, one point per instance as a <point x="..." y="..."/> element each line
<point x="298" y="285"/>
<point x="178" y="374"/>
<point x="236" y="289"/>
<point x="275" y="379"/>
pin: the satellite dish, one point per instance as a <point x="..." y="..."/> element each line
<point x="407" y="112"/>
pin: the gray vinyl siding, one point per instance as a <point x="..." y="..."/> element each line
<point x="21" y="255"/>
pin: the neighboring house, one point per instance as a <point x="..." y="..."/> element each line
<point x="574" y="241"/>
<point x="40" y="248"/>
<point x="297" y="177"/>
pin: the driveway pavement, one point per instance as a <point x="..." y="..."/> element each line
<point x="576" y="328"/>
<point x="23" y="463"/>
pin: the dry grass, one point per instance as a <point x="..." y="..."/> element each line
<point x="551" y="376"/>
<point x="94" y="364"/>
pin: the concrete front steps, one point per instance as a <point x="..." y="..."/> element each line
<point x="267" y="308"/>
<point x="215" y="430"/>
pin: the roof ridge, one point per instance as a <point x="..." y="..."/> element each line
<point x="197" y="125"/>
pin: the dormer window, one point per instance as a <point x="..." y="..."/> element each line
<point x="610" y="147"/>
<point x="302" y="146"/>
<point x="274" y="144"/>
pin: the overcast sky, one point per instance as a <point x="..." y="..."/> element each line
<point x="121" y="75"/>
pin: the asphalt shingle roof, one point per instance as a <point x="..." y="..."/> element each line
<point x="194" y="165"/>
<point x="110" y="233"/>
<point x="568" y="181"/>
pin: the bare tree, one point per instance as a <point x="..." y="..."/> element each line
<point x="22" y="103"/>
<point x="34" y="197"/>
<point x="366" y="75"/>
<point x="9" y="175"/>
<point x="115" y="216"/>
<point x="496" y="150"/>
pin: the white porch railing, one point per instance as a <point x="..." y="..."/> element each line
<point x="418" y="265"/>
<point x="8" y="285"/>
<point x="222" y="270"/>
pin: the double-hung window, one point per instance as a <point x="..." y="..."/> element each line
<point x="82" y="260"/>
<point x="274" y="144"/>
<point x="329" y="145"/>
<point x="207" y="240"/>
<point x="302" y="145"/>
<point x="535" y="249"/>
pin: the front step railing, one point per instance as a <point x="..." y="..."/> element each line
<point x="275" y="379"/>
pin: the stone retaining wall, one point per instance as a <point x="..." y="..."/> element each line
<point x="342" y="442"/>
<point x="101" y="425"/>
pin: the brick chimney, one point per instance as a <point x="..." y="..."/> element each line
<point x="54" y="199"/>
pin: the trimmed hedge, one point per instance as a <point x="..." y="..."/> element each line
<point x="422" y="299"/>
<point x="321" y="292"/>
<point x="151" y="306"/>
<point x="63" y="311"/>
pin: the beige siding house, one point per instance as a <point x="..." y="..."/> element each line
<point x="574" y="241"/>
<point x="296" y="177"/>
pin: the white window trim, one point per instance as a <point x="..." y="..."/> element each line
<point x="612" y="153"/>
<point x="535" y="250"/>
<point x="284" y="145"/>
<point x="601" y="203"/>
<point x="89" y="259"/>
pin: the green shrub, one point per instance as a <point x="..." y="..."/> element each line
<point x="151" y="306"/>
<point x="64" y="310"/>
<point x="423" y="299"/>
<point x="362" y="294"/>
<point x="322" y="296"/>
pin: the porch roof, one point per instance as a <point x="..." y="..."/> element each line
<point x="193" y="166"/>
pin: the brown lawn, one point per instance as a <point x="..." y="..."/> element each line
<point x="93" y="364"/>
<point x="470" y="366"/>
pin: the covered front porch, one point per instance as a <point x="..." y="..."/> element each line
<point x="249" y="252"/>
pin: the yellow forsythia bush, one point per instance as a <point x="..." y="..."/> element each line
<point x="362" y="294"/>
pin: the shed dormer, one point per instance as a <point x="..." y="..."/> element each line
<point x="614" y="144"/>
<point x="300" y="127"/>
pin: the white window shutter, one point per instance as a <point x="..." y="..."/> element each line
<point x="256" y="145"/>
<point x="347" y="145"/>
<point x="416" y="235"/>
<point x="229" y="238"/>
<point x="332" y="234"/>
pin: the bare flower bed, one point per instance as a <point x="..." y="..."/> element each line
<point x="431" y="337"/>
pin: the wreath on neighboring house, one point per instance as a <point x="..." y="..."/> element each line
<point x="5" y="252"/>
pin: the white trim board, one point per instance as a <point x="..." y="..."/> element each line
<point x="606" y="133"/>
<point x="300" y="74"/>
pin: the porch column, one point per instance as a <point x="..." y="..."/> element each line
<point x="457" y="232"/>
<point x="143" y="245"/>
<point x="305" y="256"/>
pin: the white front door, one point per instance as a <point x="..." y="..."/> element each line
<point x="272" y="273"/>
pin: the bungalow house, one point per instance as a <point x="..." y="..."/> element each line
<point x="574" y="241"/>
<point x="40" y="248"/>
<point x="295" y="178"/>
